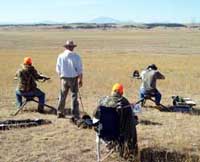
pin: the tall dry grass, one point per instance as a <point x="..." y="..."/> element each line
<point x="108" y="57"/>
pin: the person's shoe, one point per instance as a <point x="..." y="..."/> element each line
<point x="74" y="120"/>
<point x="41" y="109"/>
<point x="60" y="115"/>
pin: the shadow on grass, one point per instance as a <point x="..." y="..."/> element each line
<point x="192" y="111"/>
<point x="195" y="111"/>
<point x="164" y="155"/>
<point x="148" y="122"/>
<point x="46" y="111"/>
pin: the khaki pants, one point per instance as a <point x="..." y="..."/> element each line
<point x="66" y="84"/>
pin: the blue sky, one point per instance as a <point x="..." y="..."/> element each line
<point x="27" y="11"/>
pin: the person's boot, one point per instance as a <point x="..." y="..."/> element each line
<point x="40" y="108"/>
<point x="60" y="115"/>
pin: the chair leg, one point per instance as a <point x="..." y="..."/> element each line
<point x="98" y="143"/>
<point x="22" y="106"/>
<point x="98" y="147"/>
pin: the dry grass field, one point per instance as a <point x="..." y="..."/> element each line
<point x="109" y="56"/>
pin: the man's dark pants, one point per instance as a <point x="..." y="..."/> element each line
<point x="66" y="84"/>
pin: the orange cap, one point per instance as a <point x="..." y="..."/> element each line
<point x="27" y="61"/>
<point x="118" y="88"/>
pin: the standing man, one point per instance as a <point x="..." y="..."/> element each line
<point x="27" y="87"/>
<point x="148" y="87"/>
<point x="69" y="69"/>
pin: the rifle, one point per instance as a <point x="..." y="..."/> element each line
<point x="45" y="78"/>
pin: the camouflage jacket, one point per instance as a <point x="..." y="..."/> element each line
<point x="113" y="101"/>
<point x="27" y="77"/>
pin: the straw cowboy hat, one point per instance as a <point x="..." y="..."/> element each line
<point x="69" y="43"/>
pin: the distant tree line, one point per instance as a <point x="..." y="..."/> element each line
<point x="89" y="26"/>
<point x="113" y="25"/>
<point x="105" y="25"/>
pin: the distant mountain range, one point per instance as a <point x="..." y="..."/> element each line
<point x="104" y="20"/>
<point x="100" y="22"/>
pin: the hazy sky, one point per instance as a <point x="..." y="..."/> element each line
<point x="24" y="11"/>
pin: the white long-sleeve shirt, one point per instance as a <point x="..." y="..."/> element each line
<point x="69" y="64"/>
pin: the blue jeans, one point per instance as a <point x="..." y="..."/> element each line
<point x="35" y="93"/>
<point x="155" y="94"/>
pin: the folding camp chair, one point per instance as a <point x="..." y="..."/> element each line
<point x="28" y="99"/>
<point x="107" y="130"/>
